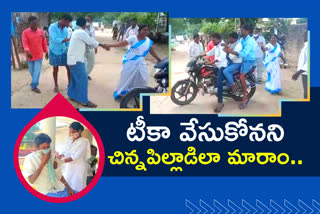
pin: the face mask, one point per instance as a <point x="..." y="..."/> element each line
<point x="87" y="24"/>
<point x="45" y="151"/>
<point x="256" y="35"/>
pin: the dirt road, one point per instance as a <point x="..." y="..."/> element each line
<point x="105" y="78"/>
<point x="261" y="103"/>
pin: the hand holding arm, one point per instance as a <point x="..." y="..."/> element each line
<point x="67" y="160"/>
<point x="65" y="40"/>
<point x="117" y="45"/>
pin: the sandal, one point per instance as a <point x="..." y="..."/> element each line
<point x="36" y="90"/>
<point x="219" y="107"/>
<point x="89" y="105"/>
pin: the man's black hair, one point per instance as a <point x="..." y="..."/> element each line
<point x="217" y="36"/>
<point x="141" y="27"/>
<point x="247" y="27"/>
<point x="42" y="138"/>
<point x="76" y="125"/>
<point x="32" y="18"/>
<point x="195" y="35"/>
<point x="233" y="35"/>
<point x="67" y="17"/>
<point x="93" y="147"/>
<point x="81" y="21"/>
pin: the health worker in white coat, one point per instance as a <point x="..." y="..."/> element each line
<point x="75" y="156"/>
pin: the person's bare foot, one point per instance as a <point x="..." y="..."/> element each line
<point x="244" y="102"/>
<point x="56" y="89"/>
<point x="218" y="108"/>
<point x="36" y="90"/>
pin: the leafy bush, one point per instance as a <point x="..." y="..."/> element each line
<point x="223" y="28"/>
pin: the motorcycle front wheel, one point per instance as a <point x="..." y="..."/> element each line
<point x="132" y="98"/>
<point x="184" y="92"/>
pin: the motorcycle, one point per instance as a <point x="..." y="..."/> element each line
<point x="161" y="76"/>
<point x="203" y="78"/>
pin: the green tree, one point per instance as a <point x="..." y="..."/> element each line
<point x="224" y="27"/>
<point x="55" y="16"/>
<point x="178" y="26"/>
<point x="108" y="18"/>
<point x="149" y="18"/>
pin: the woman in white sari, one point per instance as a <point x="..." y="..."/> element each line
<point x="75" y="156"/>
<point x="271" y="62"/>
<point x="134" y="70"/>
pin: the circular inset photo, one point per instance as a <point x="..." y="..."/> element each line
<point x="58" y="158"/>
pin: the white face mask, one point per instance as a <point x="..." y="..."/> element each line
<point x="256" y="35"/>
<point x="45" y="151"/>
<point x="88" y="24"/>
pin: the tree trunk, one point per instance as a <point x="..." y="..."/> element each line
<point x="13" y="61"/>
<point x="243" y="21"/>
<point x="16" y="51"/>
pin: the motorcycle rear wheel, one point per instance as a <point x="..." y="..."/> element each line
<point x="251" y="79"/>
<point x="178" y="91"/>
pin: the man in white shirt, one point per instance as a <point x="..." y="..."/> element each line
<point x="44" y="174"/>
<point x="90" y="50"/>
<point x="78" y="87"/>
<point x="220" y="60"/>
<point x="261" y="42"/>
<point x="195" y="47"/>
<point x="234" y="61"/>
<point x="133" y="30"/>
<point x="303" y="67"/>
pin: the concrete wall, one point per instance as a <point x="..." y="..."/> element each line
<point x="294" y="44"/>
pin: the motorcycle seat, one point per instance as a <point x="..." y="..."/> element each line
<point x="162" y="64"/>
<point x="253" y="68"/>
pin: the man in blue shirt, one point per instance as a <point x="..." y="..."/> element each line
<point x="58" y="38"/>
<point x="248" y="59"/>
